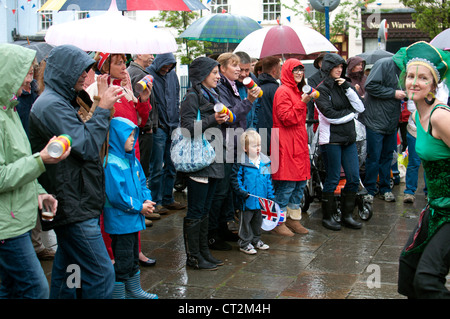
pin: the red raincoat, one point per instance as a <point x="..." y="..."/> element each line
<point x="291" y="161"/>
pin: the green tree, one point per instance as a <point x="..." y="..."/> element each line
<point x="180" y="21"/>
<point x="431" y="16"/>
<point x="346" y="15"/>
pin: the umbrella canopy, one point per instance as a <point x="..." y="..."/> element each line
<point x="281" y="40"/>
<point x="112" y="33"/>
<point x="123" y="5"/>
<point x="42" y="49"/>
<point x="372" y="56"/>
<point x="442" y="40"/>
<point x="221" y="27"/>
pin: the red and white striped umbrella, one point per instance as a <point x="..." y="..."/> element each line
<point x="284" y="40"/>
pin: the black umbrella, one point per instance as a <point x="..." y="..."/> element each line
<point x="372" y="56"/>
<point x="42" y="49"/>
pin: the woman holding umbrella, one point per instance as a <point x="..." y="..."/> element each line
<point x="135" y="109"/>
<point x="338" y="105"/>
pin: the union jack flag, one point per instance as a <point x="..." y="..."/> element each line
<point x="268" y="209"/>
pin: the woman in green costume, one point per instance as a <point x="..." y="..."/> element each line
<point x="425" y="260"/>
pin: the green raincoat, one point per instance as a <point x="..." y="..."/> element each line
<point x="19" y="168"/>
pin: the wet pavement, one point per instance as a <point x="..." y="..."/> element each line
<point x="324" y="264"/>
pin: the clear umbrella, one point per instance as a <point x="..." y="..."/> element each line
<point x="112" y="33"/>
<point x="442" y="40"/>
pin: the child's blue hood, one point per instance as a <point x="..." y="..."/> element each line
<point x="119" y="131"/>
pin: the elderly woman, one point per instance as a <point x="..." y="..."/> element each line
<point x="200" y="99"/>
<point x="338" y="105"/>
<point x="425" y="260"/>
<point x="21" y="273"/>
<point x="289" y="146"/>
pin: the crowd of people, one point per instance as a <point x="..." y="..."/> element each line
<point x="117" y="174"/>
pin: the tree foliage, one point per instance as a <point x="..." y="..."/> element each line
<point x="180" y="21"/>
<point x="431" y="16"/>
<point x="345" y="16"/>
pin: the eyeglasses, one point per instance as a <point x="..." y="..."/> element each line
<point x="298" y="71"/>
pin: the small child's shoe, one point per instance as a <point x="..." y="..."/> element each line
<point x="249" y="249"/>
<point x="261" y="245"/>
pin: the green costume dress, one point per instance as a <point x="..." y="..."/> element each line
<point x="434" y="218"/>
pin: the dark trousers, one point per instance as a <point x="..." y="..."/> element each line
<point x="200" y="197"/>
<point x="423" y="274"/>
<point x="250" y="227"/>
<point x="222" y="207"/>
<point x="126" y="255"/>
<point x="145" y="148"/>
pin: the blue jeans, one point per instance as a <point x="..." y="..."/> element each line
<point x="380" y="150"/>
<point x="337" y="156"/>
<point x="412" y="171"/>
<point x="21" y="273"/>
<point x="199" y="197"/>
<point x="162" y="172"/>
<point x="289" y="193"/>
<point x="81" y="247"/>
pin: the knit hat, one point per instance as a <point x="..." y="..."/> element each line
<point x="200" y="68"/>
<point x="423" y="53"/>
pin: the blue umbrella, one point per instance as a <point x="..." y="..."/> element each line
<point x="221" y="27"/>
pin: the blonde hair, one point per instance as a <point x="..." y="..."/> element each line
<point x="225" y="59"/>
<point x="248" y="136"/>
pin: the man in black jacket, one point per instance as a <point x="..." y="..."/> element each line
<point x="383" y="106"/>
<point x="268" y="82"/>
<point x="78" y="182"/>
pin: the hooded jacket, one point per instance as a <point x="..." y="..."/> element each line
<point x="382" y="108"/>
<point x="247" y="179"/>
<point x="166" y="89"/>
<point x="337" y="105"/>
<point x="357" y="77"/>
<point x="19" y="168"/>
<point x="199" y="98"/>
<point x="78" y="181"/>
<point x="125" y="182"/>
<point x="289" y="140"/>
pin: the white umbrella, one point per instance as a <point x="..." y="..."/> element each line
<point x="112" y="33"/>
<point x="281" y="39"/>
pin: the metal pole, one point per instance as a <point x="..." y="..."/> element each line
<point x="327" y="18"/>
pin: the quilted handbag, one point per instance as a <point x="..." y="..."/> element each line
<point x="190" y="154"/>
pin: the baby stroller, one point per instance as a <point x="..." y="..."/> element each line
<point x="314" y="185"/>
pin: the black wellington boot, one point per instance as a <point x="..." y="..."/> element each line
<point x="348" y="203"/>
<point x="328" y="208"/>
<point x="204" y="247"/>
<point x="191" y="231"/>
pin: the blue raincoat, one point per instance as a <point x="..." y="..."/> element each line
<point x="125" y="181"/>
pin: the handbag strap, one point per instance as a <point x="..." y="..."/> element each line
<point x="198" y="115"/>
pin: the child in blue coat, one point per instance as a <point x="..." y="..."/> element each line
<point x="252" y="175"/>
<point x="128" y="201"/>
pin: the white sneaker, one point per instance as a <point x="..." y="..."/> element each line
<point x="368" y="198"/>
<point x="249" y="249"/>
<point x="261" y="245"/>
<point x="388" y="197"/>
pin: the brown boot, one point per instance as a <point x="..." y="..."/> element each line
<point x="295" y="226"/>
<point x="283" y="231"/>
